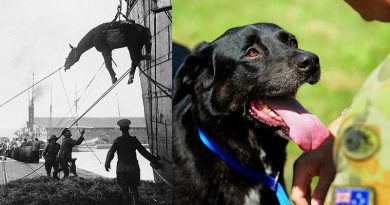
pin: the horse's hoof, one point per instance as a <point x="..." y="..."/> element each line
<point x="114" y="80"/>
<point x="131" y="77"/>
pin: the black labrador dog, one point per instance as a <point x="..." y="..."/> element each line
<point x="239" y="90"/>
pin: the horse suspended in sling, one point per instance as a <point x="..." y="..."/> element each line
<point x="109" y="36"/>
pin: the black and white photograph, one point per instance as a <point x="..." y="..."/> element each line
<point x="86" y="102"/>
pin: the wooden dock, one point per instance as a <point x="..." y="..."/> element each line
<point x="11" y="169"/>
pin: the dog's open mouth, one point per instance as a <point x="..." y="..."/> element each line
<point x="287" y="114"/>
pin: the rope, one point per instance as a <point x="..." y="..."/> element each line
<point x="30" y="87"/>
<point x="95" y="103"/>
<point x="132" y="6"/>
<point x="169" y="17"/>
<point x="70" y="110"/>
<point x="93" y="78"/>
<point x="160" y="86"/>
<point x="33" y="171"/>
<point x="66" y="94"/>
<point x="102" y="96"/>
<point x="90" y="91"/>
<point x="70" y="107"/>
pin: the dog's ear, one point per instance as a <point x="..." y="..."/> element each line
<point x="196" y="72"/>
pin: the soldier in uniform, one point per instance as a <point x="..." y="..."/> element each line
<point x="127" y="170"/>
<point x="49" y="154"/>
<point x="65" y="154"/>
<point x="362" y="139"/>
<point x="35" y="150"/>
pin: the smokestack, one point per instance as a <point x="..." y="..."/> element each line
<point x="31" y="110"/>
<point x="31" y="115"/>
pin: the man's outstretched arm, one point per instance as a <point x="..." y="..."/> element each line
<point x="320" y="163"/>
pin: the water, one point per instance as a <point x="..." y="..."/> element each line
<point x="87" y="161"/>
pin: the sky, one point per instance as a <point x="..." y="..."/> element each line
<point x="34" y="39"/>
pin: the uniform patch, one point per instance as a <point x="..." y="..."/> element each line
<point x="352" y="196"/>
<point x="360" y="142"/>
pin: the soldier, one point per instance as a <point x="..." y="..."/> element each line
<point x="361" y="146"/>
<point x="49" y="154"/>
<point x="127" y="170"/>
<point x="24" y="143"/>
<point x="65" y="154"/>
<point x="35" y="150"/>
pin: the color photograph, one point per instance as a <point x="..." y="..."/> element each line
<point x="257" y="75"/>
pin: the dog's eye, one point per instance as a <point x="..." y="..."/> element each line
<point x="252" y="53"/>
<point x="293" y="44"/>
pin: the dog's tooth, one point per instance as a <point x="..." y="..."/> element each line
<point x="266" y="108"/>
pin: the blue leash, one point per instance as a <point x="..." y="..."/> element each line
<point x="252" y="174"/>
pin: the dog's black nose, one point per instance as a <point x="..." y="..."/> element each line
<point x="308" y="63"/>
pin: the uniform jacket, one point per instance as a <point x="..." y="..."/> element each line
<point x="125" y="146"/>
<point x="66" y="147"/>
<point x="35" y="146"/>
<point x="51" y="150"/>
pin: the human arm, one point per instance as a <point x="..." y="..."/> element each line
<point x="153" y="160"/>
<point x="110" y="156"/>
<point x="315" y="163"/>
<point x="45" y="150"/>
<point x="320" y="163"/>
<point x="79" y="140"/>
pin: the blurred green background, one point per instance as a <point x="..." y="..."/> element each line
<point x="348" y="47"/>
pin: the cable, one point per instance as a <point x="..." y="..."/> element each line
<point x="70" y="107"/>
<point x="93" y="78"/>
<point x="66" y="95"/>
<point x="102" y="96"/>
<point x="96" y="102"/>
<point x="30" y="87"/>
<point x="33" y="171"/>
<point x="157" y="84"/>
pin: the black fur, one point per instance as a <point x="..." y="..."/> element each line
<point x="213" y="89"/>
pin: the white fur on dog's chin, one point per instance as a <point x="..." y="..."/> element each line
<point x="253" y="197"/>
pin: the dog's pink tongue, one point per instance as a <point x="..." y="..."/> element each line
<point x="306" y="130"/>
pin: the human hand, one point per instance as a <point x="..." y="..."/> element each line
<point x="156" y="164"/>
<point x="320" y="163"/>
<point x="108" y="167"/>
<point x="82" y="132"/>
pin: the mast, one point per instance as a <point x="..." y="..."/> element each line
<point x="117" y="102"/>
<point x="51" y="108"/>
<point x="75" y="101"/>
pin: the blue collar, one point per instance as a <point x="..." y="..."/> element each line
<point x="251" y="174"/>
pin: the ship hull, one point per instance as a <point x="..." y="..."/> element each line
<point x="156" y="82"/>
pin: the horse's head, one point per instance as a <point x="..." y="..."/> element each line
<point x="72" y="58"/>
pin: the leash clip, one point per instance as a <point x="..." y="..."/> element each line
<point x="275" y="185"/>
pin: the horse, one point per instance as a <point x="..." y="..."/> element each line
<point x="112" y="35"/>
